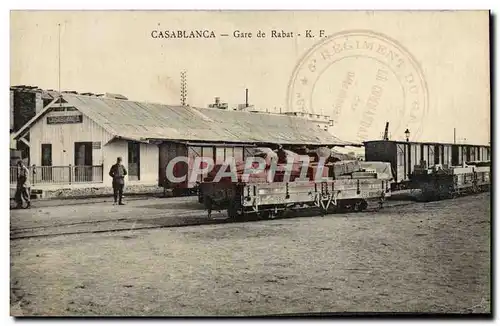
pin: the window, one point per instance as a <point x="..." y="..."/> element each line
<point x="133" y="161"/>
<point x="46" y="155"/>
<point x="46" y="161"/>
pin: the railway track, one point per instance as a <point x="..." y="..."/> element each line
<point x="182" y="219"/>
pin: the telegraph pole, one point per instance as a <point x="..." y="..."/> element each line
<point x="59" y="64"/>
<point x="183" y="87"/>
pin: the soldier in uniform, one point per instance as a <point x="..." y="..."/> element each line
<point x="23" y="189"/>
<point x="118" y="173"/>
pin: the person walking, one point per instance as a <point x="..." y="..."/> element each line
<point x="23" y="188"/>
<point x="118" y="173"/>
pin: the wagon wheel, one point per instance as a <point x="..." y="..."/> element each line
<point x="344" y="207"/>
<point x="441" y="191"/>
<point x="475" y="188"/>
<point x="268" y="215"/>
<point x="363" y="205"/>
<point x="359" y="206"/>
<point x="233" y="214"/>
<point x="414" y="192"/>
<point x="350" y="207"/>
<point x="207" y="201"/>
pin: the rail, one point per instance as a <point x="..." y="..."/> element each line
<point x="72" y="174"/>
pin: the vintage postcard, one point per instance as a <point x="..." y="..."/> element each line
<point x="249" y="163"/>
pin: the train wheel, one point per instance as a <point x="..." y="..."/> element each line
<point x="475" y="189"/>
<point x="442" y="192"/>
<point x="268" y="215"/>
<point x="351" y="207"/>
<point x="207" y="201"/>
<point x="360" y="206"/>
<point x="233" y="214"/>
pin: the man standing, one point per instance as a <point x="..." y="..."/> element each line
<point x="118" y="173"/>
<point x="23" y="189"/>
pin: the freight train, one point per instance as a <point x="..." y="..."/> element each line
<point x="322" y="183"/>
<point x="438" y="170"/>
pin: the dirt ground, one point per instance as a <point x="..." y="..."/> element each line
<point x="419" y="257"/>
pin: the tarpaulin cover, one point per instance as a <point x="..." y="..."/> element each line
<point x="383" y="169"/>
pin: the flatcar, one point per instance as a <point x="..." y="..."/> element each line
<point x="349" y="186"/>
<point x="441" y="182"/>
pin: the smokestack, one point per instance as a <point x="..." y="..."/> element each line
<point x="454" y="135"/>
<point x="217" y="101"/>
<point x="246" y="97"/>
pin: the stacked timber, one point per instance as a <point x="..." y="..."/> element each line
<point x="345" y="168"/>
<point x="361" y="170"/>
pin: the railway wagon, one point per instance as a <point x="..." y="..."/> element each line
<point x="405" y="155"/>
<point x="268" y="200"/>
<point x="448" y="182"/>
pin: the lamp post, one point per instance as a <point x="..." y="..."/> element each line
<point x="408" y="150"/>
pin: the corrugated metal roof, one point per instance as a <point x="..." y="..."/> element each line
<point x="139" y="120"/>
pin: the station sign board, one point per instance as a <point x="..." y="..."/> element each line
<point x="64" y="119"/>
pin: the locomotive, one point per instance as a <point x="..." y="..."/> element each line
<point x="291" y="182"/>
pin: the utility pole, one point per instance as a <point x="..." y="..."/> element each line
<point x="59" y="63"/>
<point x="454" y="135"/>
<point x="183" y="87"/>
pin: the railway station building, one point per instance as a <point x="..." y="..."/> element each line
<point x="77" y="138"/>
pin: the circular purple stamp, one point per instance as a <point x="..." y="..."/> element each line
<point x="361" y="79"/>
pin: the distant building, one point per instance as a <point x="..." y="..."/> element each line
<point x="322" y="121"/>
<point x="25" y="103"/>
<point x="218" y="105"/>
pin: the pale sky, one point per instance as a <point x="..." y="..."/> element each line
<point x="114" y="52"/>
